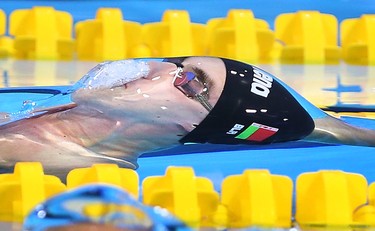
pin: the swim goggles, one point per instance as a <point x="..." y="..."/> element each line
<point x="102" y="205"/>
<point x="191" y="86"/>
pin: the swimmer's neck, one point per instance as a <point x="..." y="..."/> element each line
<point x="126" y="137"/>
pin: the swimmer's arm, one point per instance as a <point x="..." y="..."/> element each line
<point x="334" y="131"/>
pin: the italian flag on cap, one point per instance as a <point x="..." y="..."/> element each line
<point x="257" y="132"/>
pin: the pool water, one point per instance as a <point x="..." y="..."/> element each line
<point x="323" y="85"/>
<point x="330" y="85"/>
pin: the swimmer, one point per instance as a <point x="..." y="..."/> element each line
<point x="122" y="109"/>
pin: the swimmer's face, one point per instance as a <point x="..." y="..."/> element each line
<point x="158" y="90"/>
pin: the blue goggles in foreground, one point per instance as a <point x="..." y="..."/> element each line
<point x="100" y="205"/>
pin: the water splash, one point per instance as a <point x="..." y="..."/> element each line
<point x="108" y="75"/>
<point x="28" y="109"/>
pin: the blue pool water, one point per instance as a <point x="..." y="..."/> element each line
<point x="218" y="161"/>
<point x="323" y="85"/>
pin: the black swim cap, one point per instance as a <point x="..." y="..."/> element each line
<point x="254" y="108"/>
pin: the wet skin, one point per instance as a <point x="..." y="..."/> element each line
<point x="113" y="124"/>
<point x="118" y="124"/>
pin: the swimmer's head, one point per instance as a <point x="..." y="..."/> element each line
<point x="154" y="92"/>
<point x="213" y="100"/>
<point x="254" y="107"/>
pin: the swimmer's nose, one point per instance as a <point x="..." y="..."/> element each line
<point x="160" y="68"/>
